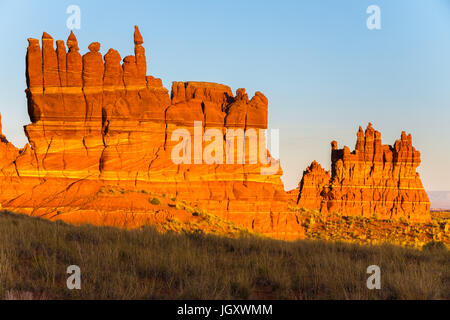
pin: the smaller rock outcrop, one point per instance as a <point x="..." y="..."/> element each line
<point x="373" y="180"/>
<point x="312" y="186"/>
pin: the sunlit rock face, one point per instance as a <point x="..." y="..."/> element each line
<point x="373" y="180"/>
<point x="311" y="187"/>
<point x="101" y="120"/>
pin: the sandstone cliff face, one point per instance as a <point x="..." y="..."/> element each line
<point x="374" y="179"/>
<point x="100" y="120"/>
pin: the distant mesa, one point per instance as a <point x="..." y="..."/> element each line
<point x="440" y="200"/>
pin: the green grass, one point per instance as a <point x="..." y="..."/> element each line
<point x="144" y="264"/>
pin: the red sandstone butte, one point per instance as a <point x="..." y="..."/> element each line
<point x="99" y="121"/>
<point x="373" y="180"/>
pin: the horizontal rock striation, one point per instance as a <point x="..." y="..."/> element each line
<point x="373" y="180"/>
<point x="100" y="120"/>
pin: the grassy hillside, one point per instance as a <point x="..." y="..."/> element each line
<point x="374" y="231"/>
<point x="145" y="264"/>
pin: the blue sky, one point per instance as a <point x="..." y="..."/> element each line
<point x="323" y="71"/>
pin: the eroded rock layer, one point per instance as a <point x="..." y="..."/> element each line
<point x="100" y="120"/>
<point x="373" y="180"/>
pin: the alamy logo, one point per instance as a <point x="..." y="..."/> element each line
<point x="74" y="280"/>
<point x="374" y="20"/>
<point x="74" y="20"/>
<point x="241" y="147"/>
<point x="374" y="281"/>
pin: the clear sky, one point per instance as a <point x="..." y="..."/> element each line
<point x="323" y="71"/>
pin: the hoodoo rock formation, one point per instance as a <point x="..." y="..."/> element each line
<point x="97" y="122"/>
<point x="373" y="180"/>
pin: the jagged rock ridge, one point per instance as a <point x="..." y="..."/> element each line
<point x="373" y="180"/>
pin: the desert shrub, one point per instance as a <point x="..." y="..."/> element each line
<point x="155" y="201"/>
<point x="435" y="246"/>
